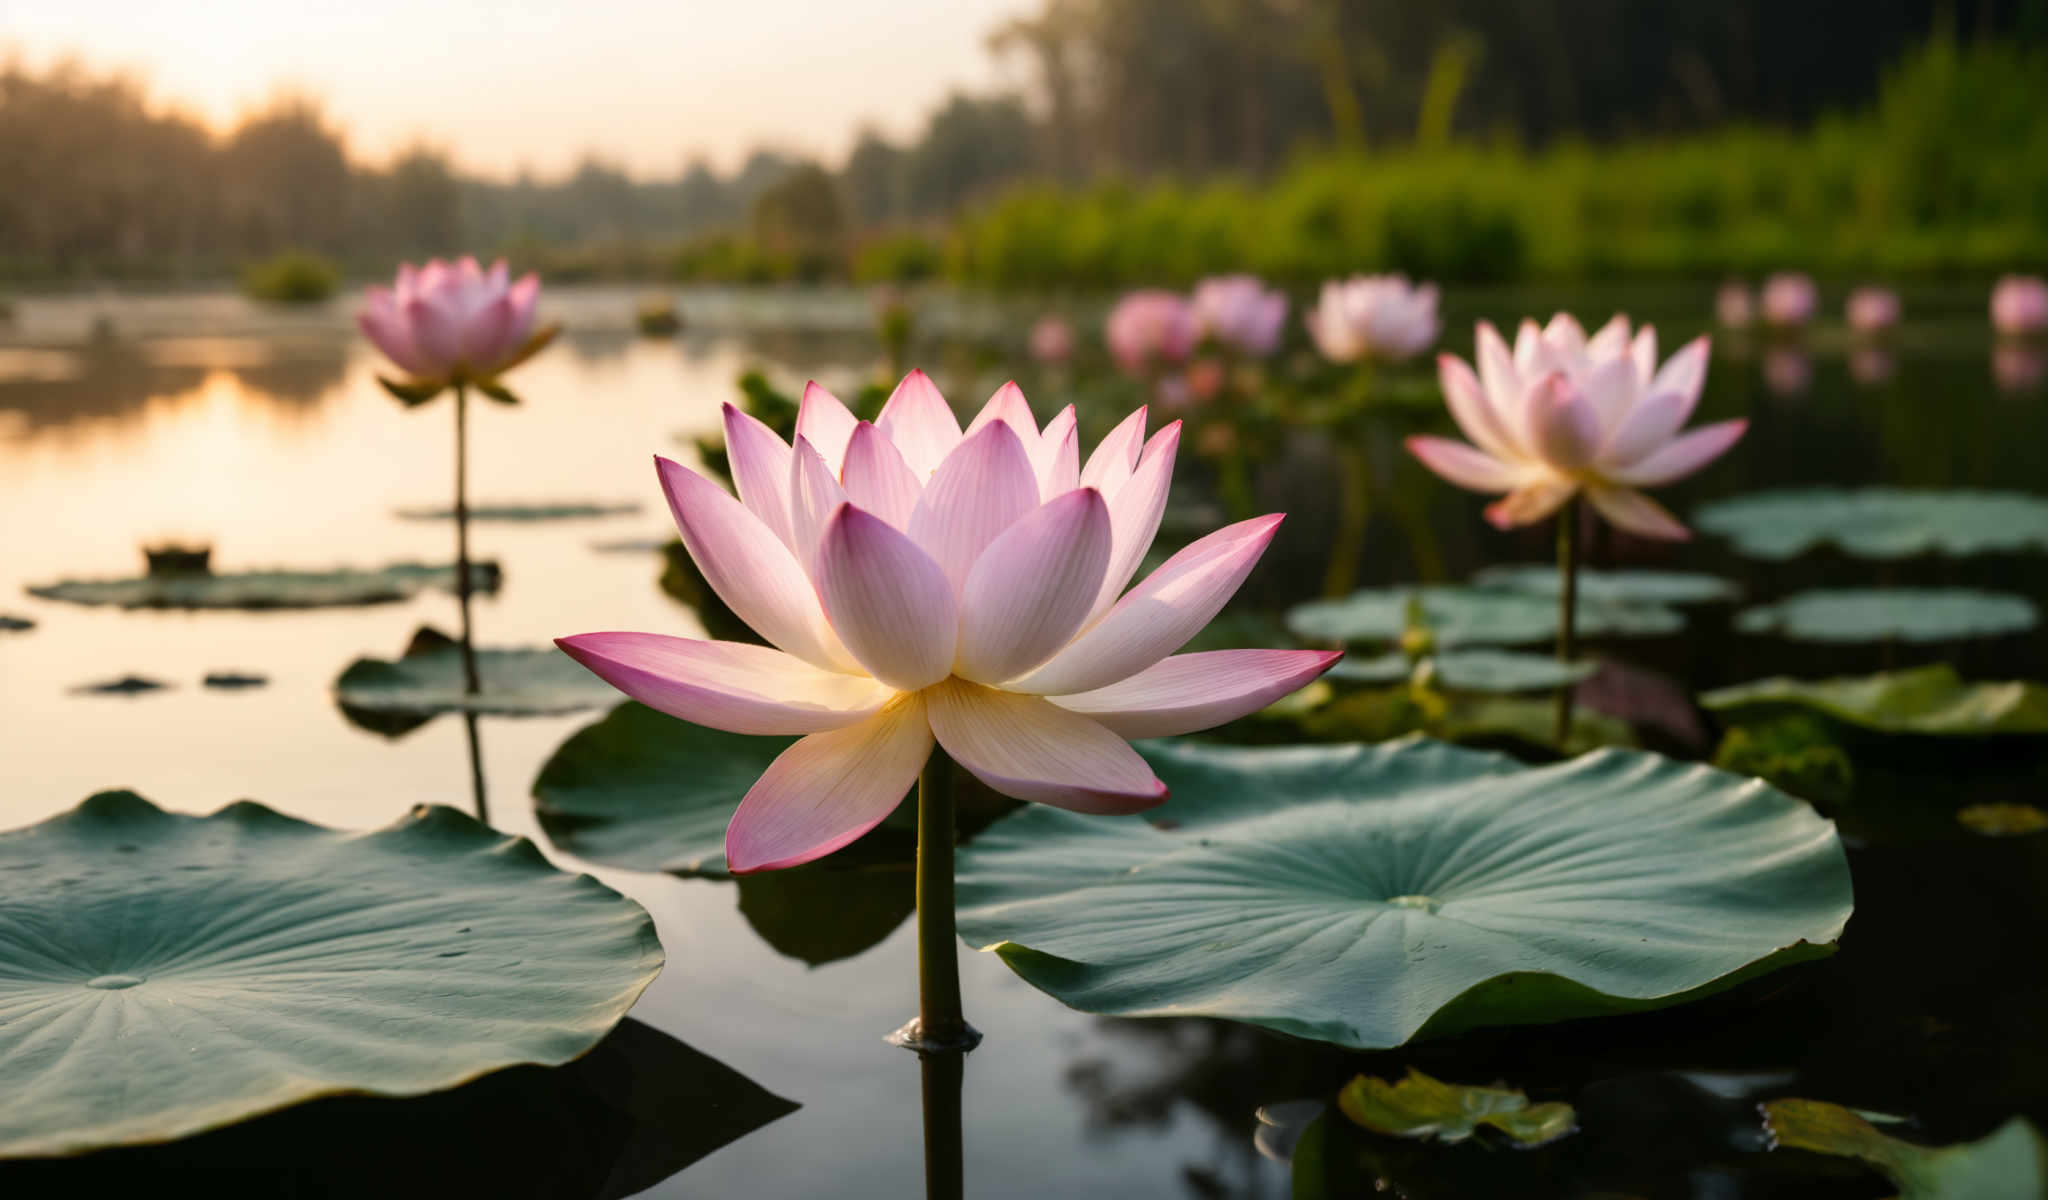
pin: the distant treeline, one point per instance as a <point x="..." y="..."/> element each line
<point x="1163" y="138"/>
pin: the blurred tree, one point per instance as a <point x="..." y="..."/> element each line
<point x="875" y="179"/>
<point x="287" y="179"/>
<point x="970" y="144"/>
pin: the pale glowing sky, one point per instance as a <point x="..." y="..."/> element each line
<point x="506" y="83"/>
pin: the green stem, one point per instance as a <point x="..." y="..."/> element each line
<point x="476" y="767"/>
<point x="1567" y="611"/>
<point x="945" y="1150"/>
<point x="469" y="677"/>
<point x="1354" y="516"/>
<point x="940" y="1022"/>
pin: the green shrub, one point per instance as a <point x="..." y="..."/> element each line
<point x="294" y="277"/>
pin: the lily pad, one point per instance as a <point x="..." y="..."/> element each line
<point x="1421" y="1107"/>
<point x="123" y="685"/>
<point x="427" y="680"/>
<point x="2002" y="820"/>
<point x="1366" y="895"/>
<point x="2010" y="1164"/>
<point x="1878" y="522"/>
<point x="1520" y="725"/>
<point x="1614" y="587"/>
<point x="1876" y="614"/>
<point x="234" y="681"/>
<point x="526" y="512"/>
<point x="1472" y="616"/>
<point x="1925" y="700"/>
<point x="13" y="624"/>
<point x="341" y="587"/>
<point x="1477" y="670"/>
<point x="645" y="791"/>
<point x="164" y="974"/>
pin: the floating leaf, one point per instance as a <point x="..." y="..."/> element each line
<point x="1518" y="724"/>
<point x="1364" y="895"/>
<point x="1478" y="670"/>
<point x="1421" y="1107"/>
<point x="1878" y="522"/>
<point x="2002" y="820"/>
<point x="234" y="681"/>
<point x="1472" y="616"/>
<point x="267" y="589"/>
<point x="525" y="511"/>
<point x="13" y="624"/>
<point x="124" y="685"/>
<point x="2010" y="1164"/>
<point x="636" y="1109"/>
<point x="1629" y="586"/>
<point x="163" y="974"/>
<point x="1925" y="700"/>
<point x="1796" y="752"/>
<point x="393" y="696"/>
<point x="1875" y="614"/>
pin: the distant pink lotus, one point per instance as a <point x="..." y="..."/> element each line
<point x="1151" y="330"/>
<point x="1240" y="314"/>
<point x="448" y="323"/>
<point x="1052" y="340"/>
<point x="1734" y="307"/>
<point x="1564" y="413"/>
<point x="922" y="584"/>
<point x="1789" y="300"/>
<point x="1872" y="310"/>
<point x="2019" y="306"/>
<point x="1374" y="317"/>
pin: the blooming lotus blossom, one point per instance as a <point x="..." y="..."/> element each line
<point x="1380" y="317"/>
<point x="1734" y="308"/>
<point x="1872" y="309"/>
<point x="1563" y="413"/>
<point x="1151" y="330"/>
<point x="1240" y="314"/>
<point x="448" y="323"/>
<point x="1789" y="300"/>
<point x="1788" y="371"/>
<point x="918" y="583"/>
<point x="2019" y="306"/>
<point x="1052" y="340"/>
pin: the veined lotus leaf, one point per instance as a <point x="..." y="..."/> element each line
<point x="1421" y="1107"/>
<point x="2009" y="1164"/>
<point x="1879" y="522"/>
<point x="1367" y="895"/>
<point x="341" y="587"/>
<point x="1476" y="670"/>
<point x="163" y="974"/>
<point x="1875" y="614"/>
<point x="1626" y="586"/>
<point x="523" y="512"/>
<point x="427" y="680"/>
<point x="1927" y="700"/>
<point x="1471" y="616"/>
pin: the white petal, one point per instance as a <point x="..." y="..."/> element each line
<point x="727" y="685"/>
<point x="921" y="424"/>
<point x="1008" y="406"/>
<point x="1116" y="456"/>
<point x="876" y="477"/>
<point x="825" y="423"/>
<point x="828" y="789"/>
<point x="760" y="469"/>
<point x="888" y="601"/>
<point x="1026" y="747"/>
<point x="1188" y="692"/>
<point x="1135" y="512"/>
<point x="814" y="495"/>
<point x="981" y="489"/>
<point x="1057" y="456"/>
<point x="1029" y="592"/>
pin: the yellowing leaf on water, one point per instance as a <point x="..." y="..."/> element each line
<point x="1421" y="1107"/>
<point x="2009" y="1164"/>
<point x="2003" y="820"/>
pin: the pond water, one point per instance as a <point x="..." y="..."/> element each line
<point x="126" y="421"/>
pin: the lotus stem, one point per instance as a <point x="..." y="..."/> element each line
<point x="476" y="767"/>
<point x="470" y="685"/>
<point x="945" y="1150"/>
<point x="941" y="1024"/>
<point x="1567" y="612"/>
<point x="1354" y="515"/>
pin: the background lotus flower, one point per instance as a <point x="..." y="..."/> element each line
<point x="448" y="323"/>
<point x="1872" y="309"/>
<point x="1374" y="317"/>
<point x="1240" y="313"/>
<point x="918" y="583"/>
<point x="1734" y="307"/>
<point x="2019" y="305"/>
<point x="1789" y="299"/>
<point x="1052" y="340"/>
<point x="1564" y="413"/>
<point x="1788" y="371"/>
<point x="1149" y="330"/>
<point x="2018" y="367"/>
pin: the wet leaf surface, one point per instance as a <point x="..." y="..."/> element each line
<point x="1421" y="1107"/>
<point x="1930" y="700"/>
<point x="2009" y="1164"/>
<point x="1878" y="522"/>
<point x="1877" y="614"/>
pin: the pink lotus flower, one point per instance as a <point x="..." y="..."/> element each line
<point x="1374" y="317"/>
<point x="1789" y="300"/>
<point x="1150" y="330"/>
<point x="1564" y="413"/>
<point x="1734" y="308"/>
<point x="448" y="323"/>
<point x="1240" y="314"/>
<point x="1872" y="309"/>
<point x="918" y="583"/>
<point x="1052" y="340"/>
<point x="2019" y="306"/>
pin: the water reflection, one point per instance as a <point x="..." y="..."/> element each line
<point x="102" y="381"/>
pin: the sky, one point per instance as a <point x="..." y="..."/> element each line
<point x="510" y="84"/>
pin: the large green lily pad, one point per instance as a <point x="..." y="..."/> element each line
<point x="2009" y="1164"/>
<point x="526" y="512"/>
<point x="1472" y="616"/>
<point x="1876" y="614"/>
<point x="1421" y="1107"/>
<point x="341" y="587"/>
<point x="1365" y="895"/>
<point x="396" y="695"/>
<point x="1501" y="672"/>
<point x="164" y="974"/>
<point x="1626" y="586"/>
<point x="1924" y="700"/>
<point x="1878" y="522"/>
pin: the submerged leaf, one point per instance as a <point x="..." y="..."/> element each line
<point x="1879" y="522"/>
<point x="2010" y="1164"/>
<point x="1421" y="1107"/>
<point x="1875" y="614"/>
<point x="1924" y="700"/>
<point x="1366" y="895"/>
